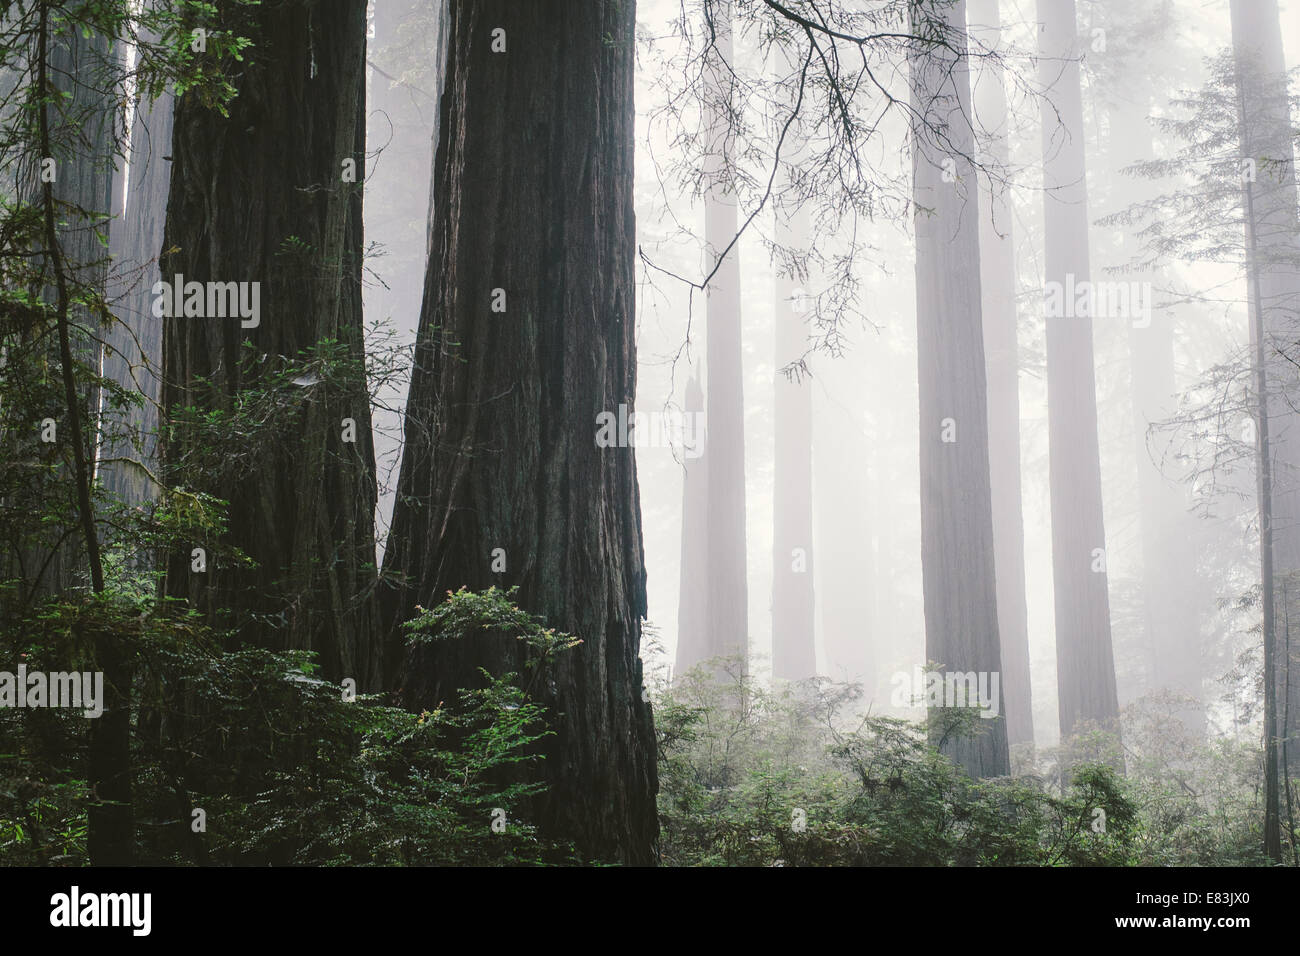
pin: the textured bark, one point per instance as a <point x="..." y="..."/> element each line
<point x="50" y="557"/>
<point x="1085" y="662"/>
<point x="961" y="615"/>
<point x="75" y="65"/>
<point x="1002" y="362"/>
<point x="534" y="186"/>
<point x="728" y="631"/>
<point x="1274" y="274"/>
<point x="259" y="196"/>
<point x="794" y="651"/>
<point x="693" y="585"/>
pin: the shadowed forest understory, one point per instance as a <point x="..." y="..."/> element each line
<point x="738" y="433"/>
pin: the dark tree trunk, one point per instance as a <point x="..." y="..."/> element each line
<point x="961" y="615"/>
<point x="534" y="187"/>
<point x="259" y="197"/>
<point x="1085" y="662"/>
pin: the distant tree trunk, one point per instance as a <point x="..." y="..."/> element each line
<point x="1269" y="197"/>
<point x="961" y="616"/>
<point x="1002" y="360"/>
<point x="260" y="196"/>
<point x="794" y="649"/>
<point x="845" y="492"/>
<point x="1268" y="596"/>
<point x="133" y="357"/>
<point x="49" y="557"/>
<point x="1271" y="232"/>
<point x="693" y="583"/>
<point x="71" y="64"/>
<point x="1168" y="563"/>
<point x="1085" y="662"/>
<point x="728" y="584"/>
<point x="501" y="466"/>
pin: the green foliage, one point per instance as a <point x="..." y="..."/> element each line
<point x="466" y="612"/>
<point x="288" y="768"/>
<point x="756" y="777"/>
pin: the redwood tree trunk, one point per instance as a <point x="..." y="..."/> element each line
<point x="1002" y="361"/>
<point x="134" y="354"/>
<point x="961" y="615"/>
<point x="693" y="580"/>
<point x="260" y="197"/>
<point x="1085" y="662"/>
<point x="728" y="627"/>
<point x="533" y="179"/>
<point x="1275" y="282"/>
<point x="794" y="649"/>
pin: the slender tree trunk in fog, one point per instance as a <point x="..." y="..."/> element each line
<point x="961" y="616"/>
<point x="845" y="493"/>
<point x="1002" y="361"/>
<point x="1168" y="560"/>
<point x="261" y="196"/>
<point x="794" y="651"/>
<point x="1274" y="252"/>
<point x="1085" y="662"/>
<point x="1268" y="596"/>
<point x="693" y="589"/>
<point x="134" y="355"/>
<point x="728" y="632"/>
<point x="502" y="479"/>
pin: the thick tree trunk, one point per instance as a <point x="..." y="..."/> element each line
<point x="961" y="616"/>
<point x="534" y="216"/>
<point x="1275" y="284"/>
<point x="1002" y="360"/>
<point x="1085" y="662"/>
<point x="261" y="197"/>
